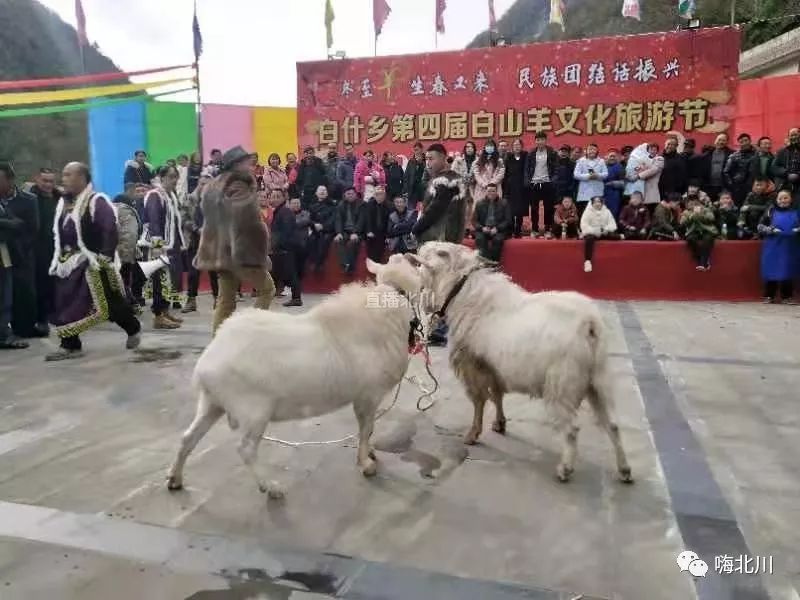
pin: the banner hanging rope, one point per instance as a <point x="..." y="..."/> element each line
<point x="62" y="108"/>
<point x="22" y="84"/>
<point x="17" y="98"/>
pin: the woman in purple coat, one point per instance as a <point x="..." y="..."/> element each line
<point x="87" y="287"/>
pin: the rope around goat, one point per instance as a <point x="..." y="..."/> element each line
<point x="426" y="393"/>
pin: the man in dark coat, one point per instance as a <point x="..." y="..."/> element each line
<point x="786" y="166"/>
<point x="22" y="206"/>
<point x="395" y="178"/>
<point x="674" y="176"/>
<point x="713" y="172"/>
<point x="138" y="170"/>
<point x="12" y="228"/>
<point x="415" y="172"/>
<point x="284" y="258"/>
<point x="761" y="167"/>
<point x="323" y="228"/>
<point x="331" y="163"/>
<point x="515" y="186"/>
<point x="540" y="176"/>
<point x="738" y="169"/>
<point x="491" y="222"/>
<point x="349" y="229"/>
<point x="310" y="175"/>
<point x="376" y="221"/>
<point x="47" y="197"/>
<point x="443" y="214"/>
<point x="345" y="170"/>
<point x="564" y="180"/>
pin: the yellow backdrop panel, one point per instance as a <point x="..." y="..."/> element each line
<point x="274" y="130"/>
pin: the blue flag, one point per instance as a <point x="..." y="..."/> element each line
<point x="198" y="37"/>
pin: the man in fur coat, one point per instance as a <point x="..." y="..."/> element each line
<point x="87" y="287"/>
<point x="234" y="240"/>
<point x="163" y="231"/>
<point x="443" y="214"/>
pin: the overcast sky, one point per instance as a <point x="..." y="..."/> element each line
<point x="251" y="46"/>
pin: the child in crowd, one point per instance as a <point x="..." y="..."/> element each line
<point x="401" y="222"/>
<point x="597" y="223"/>
<point x="566" y="219"/>
<point x="780" y="250"/>
<point x="693" y="193"/>
<point x="728" y="218"/>
<point x="635" y="219"/>
<point x="754" y="206"/>
<point x="698" y="223"/>
<point x="666" y="219"/>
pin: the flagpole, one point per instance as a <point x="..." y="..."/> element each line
<point x="199" y="110"/>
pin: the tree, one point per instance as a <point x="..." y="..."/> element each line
<point x="36" y="43"/>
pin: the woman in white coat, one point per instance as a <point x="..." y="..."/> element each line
<point x="597" y="223"/>
<point x="650" y="174"/>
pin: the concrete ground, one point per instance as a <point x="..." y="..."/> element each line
<point x="707" y="404"/>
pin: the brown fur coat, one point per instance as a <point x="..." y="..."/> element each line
<point x="233" y="233"/>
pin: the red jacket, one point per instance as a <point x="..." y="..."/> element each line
<point x="363" y="170"/>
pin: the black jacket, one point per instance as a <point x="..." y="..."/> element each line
<point x="755" y="167"/>
<point x="530" y="164"/>
<point x="514" y="181"/>
<point x="356" y="212"/>
<point x="695" y="163"/>
<point x="738" y="172"/>
<point x="674" y="177"/>
<point x="137" y="174"/>
<point x="376" y="217"/>
<point x="19" y="226"/>
<point x="413" y="186"/>
<point x="302" y="225"/>
<point x="502" y="215"/>
<point x="395" y="180"/>
<point x="705" y="171"/>
<point x="787" y="161"/>
<point x="311" y="176"/>
<point x="564" y="180"/>
<point x="282" y="230"/>
<point x="46" y="206"/>
<point x="323" y="213"/>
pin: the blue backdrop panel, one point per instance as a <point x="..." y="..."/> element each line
<point x="115" y="132"/>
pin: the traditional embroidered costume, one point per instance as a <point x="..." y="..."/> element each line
<point x="87" y="287"/>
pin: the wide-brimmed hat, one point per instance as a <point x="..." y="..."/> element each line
<point x="234" y="156"/>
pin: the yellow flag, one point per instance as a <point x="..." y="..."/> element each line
<point x="17" y="98"/>
<point x="557" y="13"/>
<point x="329" y="17"/>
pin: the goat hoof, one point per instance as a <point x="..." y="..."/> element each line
<point x="174" y="484"/>
<point x="372" y="454"/>
<point x="625" y="475"/>
<point x="564" y="473"/>
<point x="499" y="426"/>
<point x="369" y="468"/>
<point x="471" y="438"/>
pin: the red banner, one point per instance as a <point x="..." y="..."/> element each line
<point x="614" y="91"/>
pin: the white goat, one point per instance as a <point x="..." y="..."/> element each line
<point x="267" y="366"/>
<point x="550" y="345"/>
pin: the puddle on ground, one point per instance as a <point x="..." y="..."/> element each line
<point x="247" y="584"/>
<point x="150" y="355"/>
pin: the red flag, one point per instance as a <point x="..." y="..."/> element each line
<point x="492" y="17"/>
<point x="81" y="19"/>
<point x="441" y="5"/>
<point x="380" y="12"/>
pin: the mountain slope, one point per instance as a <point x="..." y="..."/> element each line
<point x="527" y="20"/>
<point x="36" y="43"/>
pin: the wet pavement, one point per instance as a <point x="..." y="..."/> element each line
<point x="707" y="406"/>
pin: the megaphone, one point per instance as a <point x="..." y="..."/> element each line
<point x="151" y="266"/>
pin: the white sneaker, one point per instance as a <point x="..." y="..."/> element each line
<point x="587" y="266"/>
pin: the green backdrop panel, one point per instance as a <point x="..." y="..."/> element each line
<point x="171" y="130"/>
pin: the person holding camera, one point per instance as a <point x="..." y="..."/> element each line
<point x="591" y="173"/>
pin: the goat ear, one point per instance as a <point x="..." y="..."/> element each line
<point x="373" y="267"/>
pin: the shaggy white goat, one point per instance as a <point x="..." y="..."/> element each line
<point x="550" y="345"/>
<point x="267" y="366"/>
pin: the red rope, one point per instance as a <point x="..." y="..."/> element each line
<point x="78" y="79"/>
